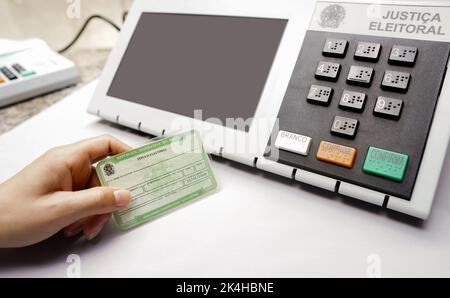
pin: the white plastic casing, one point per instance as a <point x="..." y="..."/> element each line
<point x="223" y="141"/>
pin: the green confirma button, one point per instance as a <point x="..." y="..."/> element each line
<point x="27" y="73"/>
<point x="386" y="164"/>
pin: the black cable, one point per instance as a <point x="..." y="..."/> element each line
<point x="83" y="28"/>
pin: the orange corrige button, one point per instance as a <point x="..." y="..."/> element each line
<point x="336" y="154"/>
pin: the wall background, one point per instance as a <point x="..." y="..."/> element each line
<point x="48" y="19"/>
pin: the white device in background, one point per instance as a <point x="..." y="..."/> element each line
<point x="31" y="68"/>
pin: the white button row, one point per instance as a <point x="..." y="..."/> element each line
<point x="293" y="142"/>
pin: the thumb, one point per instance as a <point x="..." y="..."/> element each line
<point x="95" y="201"/>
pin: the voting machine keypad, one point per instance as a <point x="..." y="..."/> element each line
<point x="359" y="109"/>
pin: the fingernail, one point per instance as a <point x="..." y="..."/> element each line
<point x="97" y="230"/>
<point x="94" y="234"/>
<point x="122" y="198"/>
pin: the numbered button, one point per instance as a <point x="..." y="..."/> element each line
<point x="328" y="71"/>
<point x="353" y="101"/>
<point x="390" y="108"/>
<point x="344" y="127"/>
<point x="396" y="81"/>
<point x="403" y="56"/>
<point x="320" y="95"/>
<point x="335" y="48"/>
<point x="361" y="76"/>
<point x="367" y="51"/>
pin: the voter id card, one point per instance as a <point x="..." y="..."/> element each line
<point x="161" y="176"/>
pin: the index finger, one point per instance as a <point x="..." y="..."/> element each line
<point x="100" y="147"/>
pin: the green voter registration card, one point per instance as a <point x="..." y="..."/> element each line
<point x="161" y="176"/>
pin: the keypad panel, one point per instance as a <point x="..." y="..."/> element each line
<point x="389" y="107"/>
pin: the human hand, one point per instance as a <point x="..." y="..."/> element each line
<point x="60" y="190"/>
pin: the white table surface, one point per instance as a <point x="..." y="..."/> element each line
<point x="258" y="225"/>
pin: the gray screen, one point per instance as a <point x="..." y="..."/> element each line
<point x="181" y="63"/>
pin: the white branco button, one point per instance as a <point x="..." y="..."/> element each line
<point x="293" y="142"/>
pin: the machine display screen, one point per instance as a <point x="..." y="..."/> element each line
<point x="181" y="63"/>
